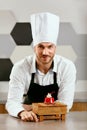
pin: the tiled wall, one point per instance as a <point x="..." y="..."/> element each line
<point x="15" y="34"/>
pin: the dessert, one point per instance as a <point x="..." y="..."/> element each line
<point x="49" y="99"/>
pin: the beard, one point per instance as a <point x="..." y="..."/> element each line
<point x="44" y="59"/>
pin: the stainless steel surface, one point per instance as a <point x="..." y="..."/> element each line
<point x="73" y="121"/>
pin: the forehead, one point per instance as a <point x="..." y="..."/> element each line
<point x="45" y="44"/>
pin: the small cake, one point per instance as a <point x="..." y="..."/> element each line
<point x="49" y="99"/>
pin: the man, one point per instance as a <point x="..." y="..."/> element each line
<point x="43" y="73"/>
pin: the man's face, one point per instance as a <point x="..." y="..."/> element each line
<point x="45" y="52"/>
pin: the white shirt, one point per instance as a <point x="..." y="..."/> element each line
<point x="21" y="76"/>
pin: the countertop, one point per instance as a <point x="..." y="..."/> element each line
<point x="73" y="121"/>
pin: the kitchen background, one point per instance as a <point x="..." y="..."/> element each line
<point x="15" y="35"/>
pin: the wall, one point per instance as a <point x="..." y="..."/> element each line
<point x="15" y="35"/>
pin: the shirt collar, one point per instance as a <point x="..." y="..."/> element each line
<point x="33" y="65"/>
<point x="55" y="62"/>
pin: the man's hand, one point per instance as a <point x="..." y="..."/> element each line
<point x="28" y="116"/>
<point x="27" y="107"/>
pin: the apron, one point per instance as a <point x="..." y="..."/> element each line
<point x="37" y="93"/>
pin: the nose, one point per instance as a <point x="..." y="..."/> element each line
<point x="45" y="51"/>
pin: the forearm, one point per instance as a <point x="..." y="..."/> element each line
<point x="14" y="108"/>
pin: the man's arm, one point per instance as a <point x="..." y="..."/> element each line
<point x="67" y="85"/>
<point x="16" y="91"/>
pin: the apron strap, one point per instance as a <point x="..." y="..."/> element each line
<point x="32" y="77"/>
<point x="33" y="74"/>
<point x="55" y="77"/>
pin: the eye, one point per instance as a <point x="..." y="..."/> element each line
<point x="51" y="46"/>
<point x="41" y="47"/>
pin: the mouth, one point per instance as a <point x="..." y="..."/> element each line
<point x="45" y="57"/>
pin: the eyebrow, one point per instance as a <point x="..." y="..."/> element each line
<point x="44" y="46"/>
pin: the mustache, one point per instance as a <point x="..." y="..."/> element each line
<point x="45" y="55"/>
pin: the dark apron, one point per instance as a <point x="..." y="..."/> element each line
<point x="37" y="93"/>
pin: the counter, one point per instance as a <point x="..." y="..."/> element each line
<point x="73" y="121"/>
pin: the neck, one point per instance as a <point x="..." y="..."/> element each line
<point x="44" y="68"/>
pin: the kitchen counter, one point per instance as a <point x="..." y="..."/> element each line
<point x="73" y="121"/>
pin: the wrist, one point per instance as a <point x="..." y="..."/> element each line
<point x="19" y="114"/>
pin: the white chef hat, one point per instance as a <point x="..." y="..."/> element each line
<point x="45" y="28"/>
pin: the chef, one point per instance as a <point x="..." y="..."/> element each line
<point x="44" y="72"/>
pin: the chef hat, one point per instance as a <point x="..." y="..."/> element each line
<point x="45" y="28"/>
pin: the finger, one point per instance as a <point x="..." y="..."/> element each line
<point x="34" y="117"/>
<point x="28" y="116"/>
<point x="25" y="116"/>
